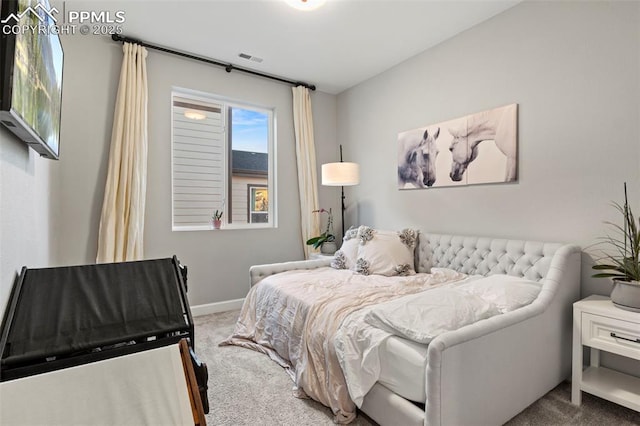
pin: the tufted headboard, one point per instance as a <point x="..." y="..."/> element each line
<point x="484" y="256"/>
<point x="469" y="255"/>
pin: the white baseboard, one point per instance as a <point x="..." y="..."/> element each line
<point x="212" y="308"/>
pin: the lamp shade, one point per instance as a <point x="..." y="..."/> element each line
<point x="340" y="174"/>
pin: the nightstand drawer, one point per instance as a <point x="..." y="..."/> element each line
<point x="610" y="334"/>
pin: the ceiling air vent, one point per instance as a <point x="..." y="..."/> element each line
<point x="250" y="57"/>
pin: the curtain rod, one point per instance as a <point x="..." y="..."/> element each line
<point x="227" y="66"/>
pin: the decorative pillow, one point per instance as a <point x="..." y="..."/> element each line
<point x="386" y="253"/>
<point x="422" y="317"/>
<point x="505" y="291"/>
<point x="345" y="258"/>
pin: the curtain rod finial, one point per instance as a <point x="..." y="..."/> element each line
<point x="118" y="37"/>
<point x="311" y="87"/>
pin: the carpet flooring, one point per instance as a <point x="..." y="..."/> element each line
<point x="247" y="388"/>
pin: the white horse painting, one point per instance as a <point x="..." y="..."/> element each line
<point x="416" y="158"/>
<point x="499" y="125"/>
<point x="450" y="153"/>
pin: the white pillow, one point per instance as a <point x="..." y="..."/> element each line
<point x="386" y="253"/>
<point x="345" y="258"/>
<point x="422" y="317"/>
<point x="505" y="291"/>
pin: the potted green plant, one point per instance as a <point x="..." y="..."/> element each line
<point x="622" y="261"/>
<point x="326" y="240"/>
<point x="216" y="219"/>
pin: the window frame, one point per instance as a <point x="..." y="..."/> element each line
<point x="271" y="184"/>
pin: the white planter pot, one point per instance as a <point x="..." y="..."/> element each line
<point x="329" y="247"/>
<point x="626" y="295"/>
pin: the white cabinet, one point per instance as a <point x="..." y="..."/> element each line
<point x="598" y="324"/>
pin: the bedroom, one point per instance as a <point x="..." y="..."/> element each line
<point x="572" y="67"/>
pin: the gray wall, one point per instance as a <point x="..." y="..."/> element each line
<point x="25" y="211"/>
<point x="91" y="70"/>
<point x="574" y="70"/>
<point x="218" y="261"/>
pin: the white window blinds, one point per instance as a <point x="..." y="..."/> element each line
<point x="198" y="161"/>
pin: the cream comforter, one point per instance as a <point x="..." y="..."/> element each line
<point x="293" y="317"/>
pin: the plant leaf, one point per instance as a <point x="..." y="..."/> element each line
<point x="313" y="240"/>
<point x="604" y="267"/>
<point x="608" y="275"/>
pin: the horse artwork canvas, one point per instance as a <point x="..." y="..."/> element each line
<point x="478" y="148"/>
<point x="417" y="152"/>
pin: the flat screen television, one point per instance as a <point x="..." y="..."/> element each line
<point x="31" y="60"/>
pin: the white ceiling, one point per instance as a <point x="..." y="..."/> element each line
<point x="334" y="47"/>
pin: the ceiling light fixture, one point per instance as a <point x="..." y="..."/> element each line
<point x="194" y="115"/>
<point x="305" y="4"/>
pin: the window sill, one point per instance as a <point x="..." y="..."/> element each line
<point x="224" y="227"/>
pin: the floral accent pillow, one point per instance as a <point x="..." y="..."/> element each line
<point x="362" y="266"/>
<point x="386" y="253"/>
<point x="403" y="270"/>
<point x="345" y="258"/>
<point x="409" y="237"/>
<point x="365" y="234"/>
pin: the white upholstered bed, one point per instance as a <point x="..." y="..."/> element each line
<point x="488" y="371"/>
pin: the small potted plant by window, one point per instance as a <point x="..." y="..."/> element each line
<point x="326" y="240"/>
<point x="622" y="261"/>
<point x="216" y="219"/>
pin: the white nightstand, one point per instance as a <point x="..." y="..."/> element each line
<point x="597" y="323"/>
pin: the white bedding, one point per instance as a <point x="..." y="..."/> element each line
<point x="424" y="316"/>
<point x="369" y="354"/>
<point x="293" y="317"/>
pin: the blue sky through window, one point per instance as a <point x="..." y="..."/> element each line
<point x="250" y="130"/>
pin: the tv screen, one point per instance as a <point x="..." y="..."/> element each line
<point x="31" y="59"/>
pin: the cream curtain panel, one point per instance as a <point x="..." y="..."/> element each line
<point x="307" y="174"/>
<point x="122" y="219"/>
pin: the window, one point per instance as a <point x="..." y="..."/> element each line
<point x="221" y="160"/>
<point x="258" y="208"/>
